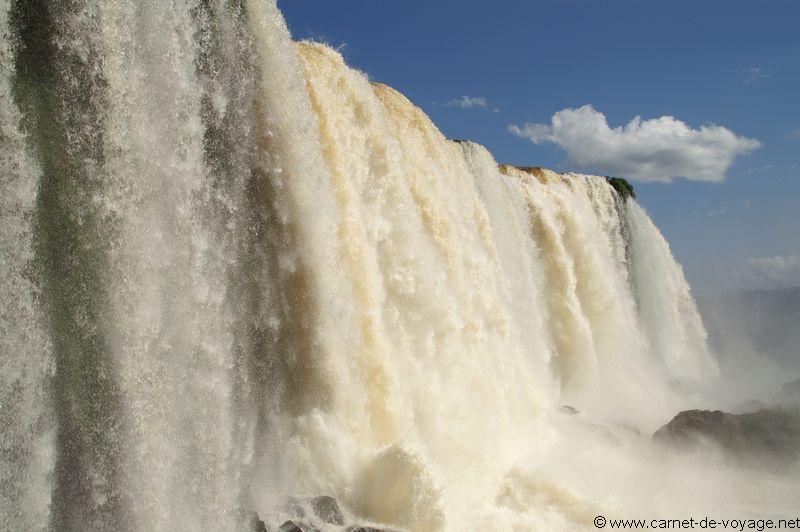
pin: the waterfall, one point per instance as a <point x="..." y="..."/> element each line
<point x="668" y="312"/>
<point x="236" y="270"/>
<point x="26" y="364"/>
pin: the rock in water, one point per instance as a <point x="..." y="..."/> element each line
<point x="291" y="526"/>
<point x="368" y="529"/>
<point x="771" y="434"/>
<point x="327" y="509"/>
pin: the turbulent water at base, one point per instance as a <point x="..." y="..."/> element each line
<point x="234" y="270"/>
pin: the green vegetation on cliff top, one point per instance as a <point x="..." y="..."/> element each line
<point x="622" y="186"/>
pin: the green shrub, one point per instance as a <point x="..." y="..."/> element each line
<point x="622" y="186"/>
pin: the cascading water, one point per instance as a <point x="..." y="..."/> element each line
<point x="26" y="421"/>
<point x="234" y="270"/>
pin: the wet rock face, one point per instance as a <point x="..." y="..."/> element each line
<point x="769" y="434"/>
<point x="299" y="526"/>
<point x="327" y="509"/>
<point x="310" y="514"/>
<point x="292" y="526"/>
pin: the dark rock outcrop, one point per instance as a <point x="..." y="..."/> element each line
<point x="769" y="434"/>
<point x="368" y="529"/>
<point x="292" y="526"/>
<point x="327" y="509"/>
<point x="309" y="514"/>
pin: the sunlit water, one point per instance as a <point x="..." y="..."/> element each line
<point x="235" y="270"/>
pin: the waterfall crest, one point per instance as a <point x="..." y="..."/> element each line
<point x="236" y="270"/>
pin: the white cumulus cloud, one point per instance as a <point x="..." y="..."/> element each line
<point x="774" y="272"/>
<point x="660" y="149"/>
<point x="467" y="102"/>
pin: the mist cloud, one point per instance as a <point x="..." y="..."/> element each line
<point x="774" y="272"/>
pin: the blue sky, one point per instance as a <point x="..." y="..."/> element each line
<point x="725" y="63"/>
